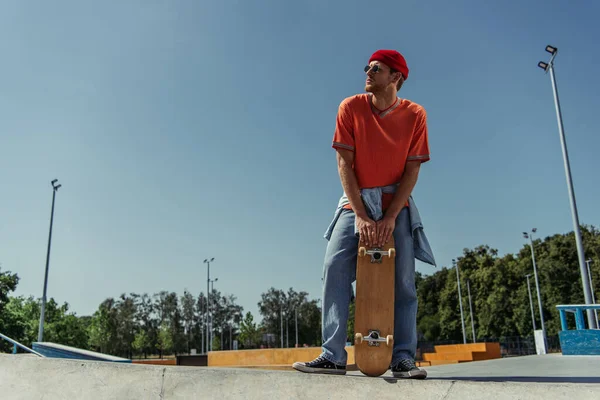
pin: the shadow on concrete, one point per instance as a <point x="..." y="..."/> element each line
<point x="529" y="379"/>
<point x="534" y="379"/>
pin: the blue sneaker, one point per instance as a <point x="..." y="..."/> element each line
<point x="406" y="368"/>
<point x="320" y="366"/>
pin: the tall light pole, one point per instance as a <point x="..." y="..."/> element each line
<point x="471" y="311"/>
<point x="296" y="315"/>
<point x="530" y="302"/>
<point x="212" y="288"/>
<point x="43" y="310"/>
<point x="587" y="293"/>
<point x="592" y="287"/>
<point x="207" y="261"/>
<point x="537" y="283"/>
<point x="462" y="318"/>
<point x="281" y="324"/>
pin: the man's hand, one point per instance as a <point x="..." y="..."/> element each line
<point x="367" y="229"/>
<point x="385" y="229"/>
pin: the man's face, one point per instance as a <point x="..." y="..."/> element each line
<point x="379" y="77"/>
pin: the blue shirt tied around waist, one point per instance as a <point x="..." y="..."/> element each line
<point x="372" y="199"/>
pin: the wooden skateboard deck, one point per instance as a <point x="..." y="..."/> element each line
<point x="374" y="308"/>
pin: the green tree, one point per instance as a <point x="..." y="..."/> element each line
<point x="188" y="314"/>
<point x="164" y="343"/>
<point x="103" y="328"/>
<point x="146" y="321"/>
<point x="428" y="312"/>
<point x="277" y="306"/>
<point x="250" y="334"/>
<point x="20" y="321"/>
<point x="200" y="322"/>
<point x="8" y="283"/>
<point x="499" y="292"/>
<point x="166" y="305"/>
<point x="141" y="342"/>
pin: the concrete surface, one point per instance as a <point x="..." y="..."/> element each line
<point x="549" y="368"/>
<point x="31" y="377"/>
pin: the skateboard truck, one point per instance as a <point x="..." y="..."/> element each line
<point x="373" y="338"/>
<point x="376" y="254"/>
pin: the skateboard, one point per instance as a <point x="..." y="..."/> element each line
<point x="374" y="308"/>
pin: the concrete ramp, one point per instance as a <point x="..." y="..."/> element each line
<point x="30" y="377"/>
<point x="55" y="350"/>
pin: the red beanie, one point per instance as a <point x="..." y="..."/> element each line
<point x="392" y="59"/>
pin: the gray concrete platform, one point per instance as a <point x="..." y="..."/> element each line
<point x="550" y="368"/>
<point x="535" y="377"/>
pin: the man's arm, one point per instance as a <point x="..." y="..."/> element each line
<point x="367" y="228"/>
<point x="385" y="226"/>
<point x="345" y="162"/>
<point x="405" y="187"/>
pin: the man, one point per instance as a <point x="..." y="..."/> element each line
<point x="380" y="142"/>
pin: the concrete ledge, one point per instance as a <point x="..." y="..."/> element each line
<point x="155" y="361"/>
<point x="37" y="378"/>
<point x="265" y="357"/>
<point x="446" y="354"/>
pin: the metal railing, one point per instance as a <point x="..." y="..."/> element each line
<point x="577" y="309"/>
<point x="17" y="344"/>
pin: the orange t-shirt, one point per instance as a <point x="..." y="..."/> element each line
<point x="382" y="141"/>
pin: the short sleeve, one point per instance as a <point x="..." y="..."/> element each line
<point x="343" y="136"/>
<point x="419" y="146"/>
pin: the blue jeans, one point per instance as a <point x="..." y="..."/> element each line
<point x="339" y="272"/>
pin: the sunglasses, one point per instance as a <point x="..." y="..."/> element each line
<point x="375" y="68"/>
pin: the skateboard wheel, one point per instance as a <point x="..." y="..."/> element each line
<point x="389" y="340"/>
<point x="362" y="251"/>
<point x="358" y="338"/>
<point x="392" y="253"/>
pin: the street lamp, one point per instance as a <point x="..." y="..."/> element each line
<point x="212" y="288"/>
<point x="592" y="286"/>
<point x="43" y="310"/>
<point x="281" y="318"/>
<point x="207" y="261"/>
<point x="462" y="318"/>
<point x="549" y="66"/>
<point x="537" y="283"/>
<point x="296" y="317"/>
<point x="471" y="311"/>
<point x="530" y="302"/>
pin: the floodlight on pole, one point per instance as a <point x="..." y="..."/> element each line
<point x="55" y="187"/>
<point x="535" y="274"/>
<point x="471" y="312"/>
<point x="462" y="318"/>
<point x="530" y="302"/>
<point x="207" y="261"/>
<point x="587" y="292"/>
<point x="212" y="289"/>
<point x="592" y="286"/>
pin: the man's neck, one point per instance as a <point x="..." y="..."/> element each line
<point x="384" y="100"/>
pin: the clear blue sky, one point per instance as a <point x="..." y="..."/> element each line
<point x="182" y="130"/>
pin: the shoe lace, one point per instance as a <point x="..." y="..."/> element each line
<point x="407" y="363"/>
<point x="317" y="360"/>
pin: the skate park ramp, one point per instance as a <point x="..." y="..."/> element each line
<point x="26" y="376"/>
<point x="55" y="350"/>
